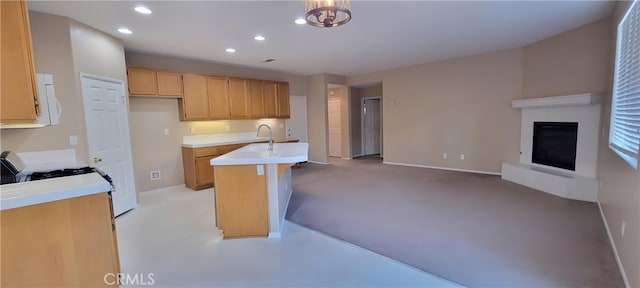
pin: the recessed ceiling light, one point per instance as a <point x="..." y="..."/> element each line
<point x="301" y="21"/>
<point x="124" y="30"/>
<point x="259" y="38"/>
<point x="143" y="10"/>
<point x="231" y="50"/>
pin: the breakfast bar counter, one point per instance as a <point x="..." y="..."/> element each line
<point x="253" y="188"/>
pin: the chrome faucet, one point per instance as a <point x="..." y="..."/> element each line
<point x="270" y="135"/>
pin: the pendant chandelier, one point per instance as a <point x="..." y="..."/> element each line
<point x="327" y="13"/>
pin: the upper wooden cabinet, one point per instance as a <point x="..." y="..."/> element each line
<point x="238" y="98"/>
<point x="210" y="97"/>
<point x="194" y="105"/>
<point x="19" y="98"/>
<point x="152" y="83"/>
<point x="283" y="100"/>
<point x="169" y="83"/>
<point x="270" y="99"/>
<point x="256" y="98"/>
<point x="218" y="97"/>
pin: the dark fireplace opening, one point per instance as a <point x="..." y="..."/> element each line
<point x="554" y="144"/>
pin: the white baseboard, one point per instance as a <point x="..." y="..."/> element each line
<point x="346" y="158"/>
<point x="443" y="168"/>
<point x="317" y="162"/>
<point x="613" y="245"/>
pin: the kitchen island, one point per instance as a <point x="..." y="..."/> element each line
<point x="253" y="188"/>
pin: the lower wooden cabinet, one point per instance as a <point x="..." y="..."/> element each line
<point x="63" y="243"/>
<point x="241" y="201"/>
<point x="198" y="172"/>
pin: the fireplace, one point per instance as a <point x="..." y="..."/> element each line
<point x="555" y="144"/>
<point x="561" y="133"/>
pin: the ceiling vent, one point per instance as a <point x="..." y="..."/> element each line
<point x="268" y="60"/>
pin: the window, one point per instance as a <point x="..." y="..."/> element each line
<point x="624" y="135"/>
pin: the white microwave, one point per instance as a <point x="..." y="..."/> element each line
<point x="50" y="109"/>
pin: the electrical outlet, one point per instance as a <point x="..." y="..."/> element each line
<point x="260" y="170"/>
<point x="155" y="175"/>
<point x="461" y="156"/>
<point x="444" y="155"/>
<point x="193" y="130"/>
<point x="166" y="131"/>
<point x="226" y="128"/>
<point x="624" y="224"/>
<point x="73" y="140"/>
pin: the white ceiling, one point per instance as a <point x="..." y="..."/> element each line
<point x="380" y="36"/>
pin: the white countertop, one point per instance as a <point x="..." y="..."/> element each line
<point x="199" y="141"/>
<point x="258" y="154"/>
<point x="42" y="191"/>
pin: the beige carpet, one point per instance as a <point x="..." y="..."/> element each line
<point x="476" y="230"/>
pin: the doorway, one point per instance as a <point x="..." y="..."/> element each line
<point x="108" y="140"/>
<point x="371" y="140"/>
<point x="335" y="127"/>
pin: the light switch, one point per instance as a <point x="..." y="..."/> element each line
<point x="73" y="140"/>
<point x="166" y="131"/>
<point x="260" y="170"/>
<point x="193" y="130"/>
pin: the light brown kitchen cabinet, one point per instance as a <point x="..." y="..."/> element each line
<point x="169" y="83"/>
<point x="256" y="98"/>
<point x="63" y="243"/>
<point x="283" y="100"/>
<point x="152" y="83"/>
<point x="142" y="81"/>
<point x="270" y="99"/>
<point x="218" y="98"/>
<point x="194" y="104"/>
<point x="198" y="172"/>
<point x="241" y="201"/>
<point x="238" y="98"/>
<point x="19" y="98"/>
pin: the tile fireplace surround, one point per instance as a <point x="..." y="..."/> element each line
<point x="580" y="184"/>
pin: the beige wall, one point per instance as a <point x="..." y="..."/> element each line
<point x="457" y="106"/>
<point x="154" y="151"/>
<point x="65" y="48"/>
<point x="619" y="195"/>
<point x="568" y="63"/>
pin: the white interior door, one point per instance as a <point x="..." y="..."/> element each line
<point x="108" y="136"/>
<point x="335" y="130"/>
<point x="297" y="123"/>
<point x="371" y="126"/>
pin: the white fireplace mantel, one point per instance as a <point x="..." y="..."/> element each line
<point x="580" y="184"/>
<point x="557" y="101"/>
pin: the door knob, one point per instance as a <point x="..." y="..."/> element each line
<point x="97" y="160"/>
